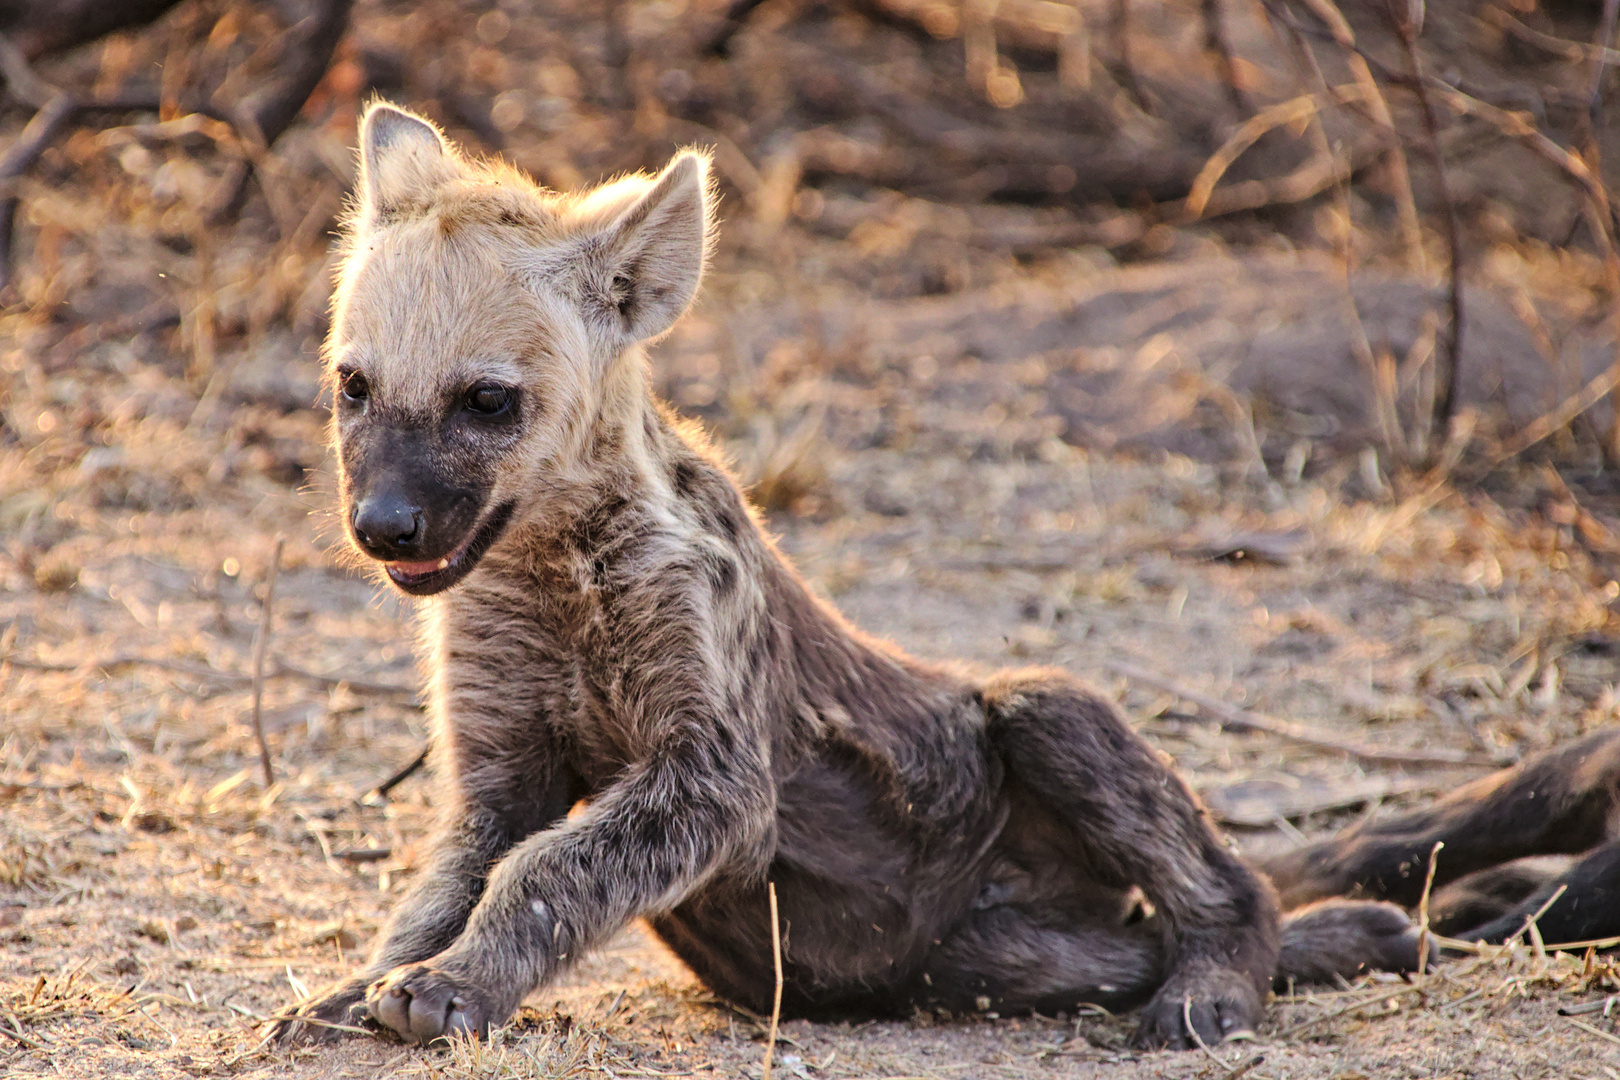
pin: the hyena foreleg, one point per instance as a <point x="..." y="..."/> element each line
<point x="673" y="822"/>
<point x="430" y="917"/>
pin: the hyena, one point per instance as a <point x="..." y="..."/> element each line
<point x="641" y="710"/>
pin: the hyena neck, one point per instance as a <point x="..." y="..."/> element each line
<point x="616" y="444"/>
<point x="629" y="461"/>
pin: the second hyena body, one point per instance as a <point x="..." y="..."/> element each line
<point x="606" y="626"/>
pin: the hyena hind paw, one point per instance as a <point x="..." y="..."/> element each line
<point x="1348" y="938"/>
<point x="1207" y="1009"/>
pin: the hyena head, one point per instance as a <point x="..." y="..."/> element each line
<point x="484" y="332"/>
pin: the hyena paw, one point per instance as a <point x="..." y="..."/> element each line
<point x="1209" y="1010"/>
<point x="421" y="1003"/>
<point x="1347" y="938"/>
<point x="323" y="1017"/>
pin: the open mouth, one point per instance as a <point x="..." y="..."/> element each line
<point x="436" y="575"/>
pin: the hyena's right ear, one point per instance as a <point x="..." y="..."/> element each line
<point x="403" y="163"/>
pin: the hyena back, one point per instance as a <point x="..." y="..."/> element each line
<point x="606" y="624"/>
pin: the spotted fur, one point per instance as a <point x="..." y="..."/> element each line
<point x="612" y="633"/>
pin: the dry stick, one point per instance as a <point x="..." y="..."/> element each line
<point x="1215" y="41"/>
<point x="1400" y="170"/>
<point x="261" y="647"/>
<point x="1514" y="125"/>
<point x="1561" y="416"/>
<point x="282" y="670"/>
<point x="1378" y="112"/>
<point x="1121" y="26"/>
<point x="1603" y="1007"/>
<point x="21" y="79"/>
<point x="1574" y="51"/>
<point x="1600" y="58"/>
<point x="1376" y="999"/>
<point x="400" y="776"/>
<point x="1408" y="29"/>
<point x="1384" y="410"/>
<point x="1423" y="909"/>
<point x="36" y="135"/>
<point x="1294" y="111"/>
<point x="1244" y="1068"/>
<point x="1236" y="719"/>
<point x="1186" y="1020"/>
<point x="1533" y="930"/>
<point x="1599" y="1032"/>
<point x="1480" y="948"/>
<point x="776" y="1003"/>
<point x="1592" y="154"/>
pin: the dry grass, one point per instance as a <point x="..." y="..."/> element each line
<point x="1052" y="460"/>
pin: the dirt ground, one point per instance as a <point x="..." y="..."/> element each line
<point x="1151" y="462"/>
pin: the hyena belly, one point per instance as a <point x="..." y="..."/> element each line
<point x="858" y="908"/>
<point x="883" y="829"/>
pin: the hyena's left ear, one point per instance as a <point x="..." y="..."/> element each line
<point x="403" y="162"/>
<point x="658" y="247"/>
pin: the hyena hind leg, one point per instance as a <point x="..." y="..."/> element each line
<point x="1587" y="909"/>
<point x="1487" y="895"/>
<point x="1132" y="821"/>
<point x="1014" y="960"/>
<point x="1564" y="802"/>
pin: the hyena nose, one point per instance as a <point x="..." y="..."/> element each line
<point x="388" y="526"/>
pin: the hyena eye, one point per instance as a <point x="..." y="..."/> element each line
<point x="489" y="399"/>
<point x="354" y="387"/>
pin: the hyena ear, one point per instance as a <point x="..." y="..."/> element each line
<point x="658" y="247"/>
<point x="403" y="162"/>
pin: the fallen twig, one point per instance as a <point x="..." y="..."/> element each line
<point x="1236" y="719"/>
<point x="1575" y="51"/>
<point x="1600" y="57"/>
<point x="399" y="777"/>
<point x="1244" y="1068"/>
<point x="19" y="1037"/>
<point x="1294" y="111"/>
<point x="1599" y="1032"/>
<point x="1408" y="22"/>
<point x="1603" y="1007"/>
<point x="1120" y="24"/>
<point x="1534" y="931"/>
<point x="21" y="79"/>
<point x="1515" y="125"/>
<point x="1559" y="418"/>
<point x="1376" y="999"/>
<point x="363" y="855"/>
<point x="1215" y="40"/>
<point x="281" y="670"/>
<point x="261" y="647"/>
<point x="1186" y="1020"/>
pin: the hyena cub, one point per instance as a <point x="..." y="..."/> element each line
<point x="606" y="624"/>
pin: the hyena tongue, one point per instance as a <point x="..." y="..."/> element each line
<point x="415" y="568"/>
